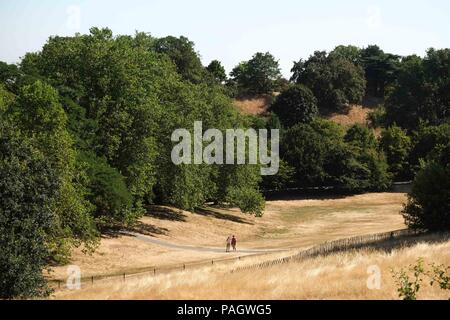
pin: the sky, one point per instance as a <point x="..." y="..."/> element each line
<point x="233" y="30"/>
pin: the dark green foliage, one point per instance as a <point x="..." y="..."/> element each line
<point x="28" y="187"/>
<point x="282" y="180"/>
<point x="396" y="145"/>
<point x="323" y="156"/>
<point x="377" y="117"/>
<point x="217" y="70"/>
<point x="295" y="105"/>
<point x="421" y="92"/>
<point x="107" y="190"/>
<point x="365" y="168"/>
<point x="428" y="206"/>
<point x="259" y="75"/>
<point x="304" y="148"/>
<point x="9" y="75"/>
<point x="360" y="136"/>
<point x="335" y="81"/>
<point x="427" y="142"/>
<point x="181" y="51"/>
<point x="350" y="53"/>
<point x="380" y="70"/>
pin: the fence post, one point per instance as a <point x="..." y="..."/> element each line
<point x="92" y="280"/>
<point x="154" y="271"/>
<point x="59" y="284"/>
<point x="212" y="261"/>
<point x="124" y="276"/>
<point x="184" y="267"/>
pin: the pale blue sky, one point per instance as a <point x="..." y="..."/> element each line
<point x="233" y="30"/>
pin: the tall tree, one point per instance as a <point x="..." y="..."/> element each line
<point x="217" y="70"/>
<point x="181" y="51"/>
<point x="421" y="91"/>
<point x="259" y="75"/>
<point x="336" y="82"/>
<point x="380" y="69"/>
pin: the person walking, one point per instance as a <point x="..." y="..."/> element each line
<point x="228" y="244"/>
<point x="233" y="243"/>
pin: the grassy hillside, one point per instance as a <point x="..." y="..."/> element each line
<point x="258" y="105"/>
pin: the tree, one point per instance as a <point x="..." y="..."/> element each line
<point x="9" y="74"/>
<point x="336" y="82"/>
<point x="421" y="92"/>
<point x="295" y="105"/>
<point x="396" y="145"/>
<point x="361" y="136"/>
<point x="350" y="53"/>
<point x="38" y="113"/>
<point x="28" y="188"/>
<point x="428" y="206"/>
<point x="322" y="155"/>
<point x="306" y="148"/>
<point x="366" y="168"/>
<point x="380" y="69"/>
<point x="181" y="51"/>
<point x="427" y="141"/>
<point x="259" y="75"/>
<point x="217" y="70"/>
<point x="107" y="190"/>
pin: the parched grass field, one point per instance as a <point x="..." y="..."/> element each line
<point x="337" y="276"/>
<point x="286" y="224"/>
<point x="289" y="225"/>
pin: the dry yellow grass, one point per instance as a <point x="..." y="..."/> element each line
<point x="336" y="276"/>
<point x="356" y="115"/>
<point x="289" y="224"/>
<point x="255" y="105"/>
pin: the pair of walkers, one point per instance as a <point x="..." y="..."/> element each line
<point x="231" y="242"/>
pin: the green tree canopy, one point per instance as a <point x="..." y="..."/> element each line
<point x="421" y="92"/>
<point x="217" y="70"/>
<point x="259" y="75"/>
<point x="335" y="81"/>
<point x="396" y="144"/>
<point x="380" y="69"/>
<point x="181" y="51"/>
<point x="295" y="105"/>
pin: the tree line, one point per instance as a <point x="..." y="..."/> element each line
<point x="85" y="127"/>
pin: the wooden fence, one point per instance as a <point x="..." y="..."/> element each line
<point x="337" y="246"/>
<point x="322" y="249"/>
<point x="92" y="280"/>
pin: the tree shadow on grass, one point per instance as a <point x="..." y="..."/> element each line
<point x="148" y="229"/>
<point x="138" y="227"/>
<point x="165" y="213"/>
<point x="410" y="241"/>
<point x="222" y="216"/>
<point x="302" y="194"/>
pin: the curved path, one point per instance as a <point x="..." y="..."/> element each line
<point x="194" y="248"/>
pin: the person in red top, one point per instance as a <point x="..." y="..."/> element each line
<point x="233" y="243"/>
